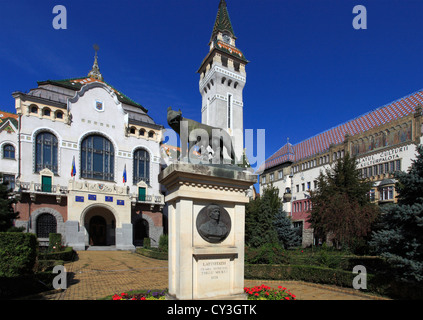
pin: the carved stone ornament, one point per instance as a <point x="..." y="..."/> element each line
<point x="213" y="223"/>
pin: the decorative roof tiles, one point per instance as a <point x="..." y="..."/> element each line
<point x="336" y="135"/>
<point x="223" y="22"/>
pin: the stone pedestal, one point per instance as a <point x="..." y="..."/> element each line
<point x="206" y="212"/>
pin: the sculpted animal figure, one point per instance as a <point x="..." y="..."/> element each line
<point x="202" y="135"/>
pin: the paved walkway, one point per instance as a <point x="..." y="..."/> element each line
<point x="96" y="274"/>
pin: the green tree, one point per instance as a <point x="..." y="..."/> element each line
<point x="288" y="236"/>
<point x="7" y="213"/>
<point x="341" y="206"/>
<point x="399" y="237"/>
<point x="260" y="214"/>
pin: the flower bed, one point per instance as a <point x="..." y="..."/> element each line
<point x="148" y="295"/>
<point x="264" y="292"/>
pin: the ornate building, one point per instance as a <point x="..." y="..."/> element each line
<point x="222" y="80"/>
<point x="383" y="140"/>
<point x="83" y="160"/>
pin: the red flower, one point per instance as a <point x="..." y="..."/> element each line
<point x="286" y="298"/>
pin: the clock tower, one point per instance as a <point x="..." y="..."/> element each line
<point x="222" y="80"/>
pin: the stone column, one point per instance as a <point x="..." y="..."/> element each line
<point x="206" y="230"/>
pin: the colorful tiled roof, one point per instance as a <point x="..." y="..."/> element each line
<point x="4" y="116"/>
<point x="231" y="50"/>
<point x="321" y="142"/>
<point x="77" y="83"/>
<point x="223" y="22"/>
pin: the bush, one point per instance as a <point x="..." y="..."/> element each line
<point x="147" y="243"/>
<point x="66" y="254"/>
<point x="54" y="242"/>
<point x="152" y="253"/>
<point x="266" y="254"/>
<point x="18" y="253"/>
<point x="164" y="243"/>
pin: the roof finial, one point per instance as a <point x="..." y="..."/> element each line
<point x="95" y="71"/>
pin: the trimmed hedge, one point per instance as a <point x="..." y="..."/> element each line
<point x="12" y="287"/>
<point x="66" y="255"/>
<point x="378" y="284"/>
<point x="155" y="254"/>
<point x="18" y="253"/>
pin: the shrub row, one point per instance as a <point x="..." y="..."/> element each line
<point x="12" y="287"/>
<point x="380" y="283"/>
<point x="155" y="254"/>
<point x="66" y="254"/>
<point x="18" y="253"/>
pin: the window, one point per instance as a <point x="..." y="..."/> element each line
<point x="280" y="174"/>
<point x="370" y="171"/>
<point x="375" y="170"/>
<point x="392" y="166"/>
<point x="263" y="179"/>
<point x="298" y="188"/>
<point x="387" y="193"/>
<point x="46" y="224"/>
<point x="46" y="152"/>
<point x="9" y="180"/>
<point x="229" y="111"/>
<point x="97" y="158"/>
<point x="8" y="151"/>
<point x="272" y="177"/>
<point x="151" y="134"/>
<point x="224" y="61"/>
<point x="372" y="195"/>
<point x="386" y="165"/>
<point x="397" y="165"/>
<point x="142" y="132"/>
<point x="34" y="109"/>
<point x="141" y="166"/>
<point x="381" y="169"/>
<point x="236" y="66"/>
<point x="302" y="187"/>
<point x="46" y="112"/>
<point x="59" y="115"/>
<point x="308" y="185"/>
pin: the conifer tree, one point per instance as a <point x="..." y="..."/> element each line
<point x="288" y="236"/>
<point x="260" y="214"/>
<point x="399" y="237"/>
<point x="340" y="204"/>
<point x="7" y="213"/>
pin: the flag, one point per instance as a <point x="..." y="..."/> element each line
<point x="73" y="172"/>
<point x="124" y="174"/>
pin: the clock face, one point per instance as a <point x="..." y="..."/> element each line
<point x="226" y="38"/>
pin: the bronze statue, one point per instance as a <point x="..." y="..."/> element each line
<point x="213" y="223"/>
<point x="203" y="136"/>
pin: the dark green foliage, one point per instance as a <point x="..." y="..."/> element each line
<point x="55" y="242"/>
<point x="259" y="216"/>
<point x="341" y="206"/>
<point x="164" y="243"/>
<point x="18" y="252"/>
<point x="288" y="236"/>
<point x="7" y="213"/>
<point x="266" y="254"/>
<point x="399" y="237"/>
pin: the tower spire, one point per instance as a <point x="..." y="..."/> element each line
<point x="223" y="22"/>
<point x="95" y="71"/>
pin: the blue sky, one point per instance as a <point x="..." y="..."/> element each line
<point x="309" y="69"/>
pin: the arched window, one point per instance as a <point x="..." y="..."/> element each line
<point x="46" y="152"/>
<point x="59" y="115"/>
<point x="141" y="166"/>
<point x="8" y="151"/>
<point x="46" y="224"/>
<point x="97" y="158"/>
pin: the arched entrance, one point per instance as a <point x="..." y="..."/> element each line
<point x="97" y="231"/>
<point x="100" y="223"/>
<point x="140" y="232"/>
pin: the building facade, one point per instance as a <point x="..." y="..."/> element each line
<point x="83" y="161"/>
<point x="383" y="141"/>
